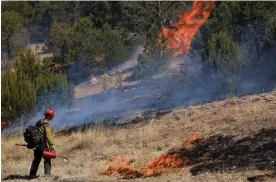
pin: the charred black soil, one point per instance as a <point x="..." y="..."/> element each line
<point x="225" y="153"/>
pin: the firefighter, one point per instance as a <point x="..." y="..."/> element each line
<point x="47" y="141"/>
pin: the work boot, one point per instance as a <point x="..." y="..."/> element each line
<point x="51" y="176"/>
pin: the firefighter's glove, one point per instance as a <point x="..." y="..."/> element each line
<point x="52" y="149"/>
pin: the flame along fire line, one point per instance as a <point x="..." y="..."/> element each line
<point x="179" y="37"/>
<point x="165" y="163"/>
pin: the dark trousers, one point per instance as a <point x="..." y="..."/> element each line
<point x="38" y="154"/>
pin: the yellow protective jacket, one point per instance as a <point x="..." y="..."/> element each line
<point x="45" y="129"/>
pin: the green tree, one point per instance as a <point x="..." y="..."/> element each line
<point x="255" y="15"/>
<point x="18" y="94"/>
<point x="114" y="48"/>
<point x="53" y="90"/>
<point x="85" y="42"/>
<point x="24" y="8"/>
<point x="221" y="18"/>
<point x="27" y="64"/>
<point x="58" y="40"/>
<point x="224" y="53"/>
<point x="100" y="13"/>
<point x="12" y="37"/>
<point x="28" y="85"/>
<point x="63" y="11"/>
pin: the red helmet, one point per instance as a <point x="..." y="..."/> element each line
<point x="49" y="112"/>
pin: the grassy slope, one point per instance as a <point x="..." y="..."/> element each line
<point x="88" y="152"/>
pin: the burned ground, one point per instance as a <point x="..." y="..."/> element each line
<point x="220" y="153"/>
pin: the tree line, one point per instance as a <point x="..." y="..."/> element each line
<point x="237" y="39"/>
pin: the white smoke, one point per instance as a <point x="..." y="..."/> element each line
<point x="192" y="83"/>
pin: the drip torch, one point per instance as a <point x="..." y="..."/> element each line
<point x="46" y="153"/>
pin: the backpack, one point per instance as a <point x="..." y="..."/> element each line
<point x="32" y="136"/>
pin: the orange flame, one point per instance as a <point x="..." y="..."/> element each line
<point x="190" y="140"/>
<point x="181" y="35"/>
<point x="163" y="163"/>
<point x="166" y="161"/>
<point x="121" y="165"/>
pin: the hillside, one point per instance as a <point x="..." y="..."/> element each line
<point x="228" y="140"/>
<point x="142" y="91"/>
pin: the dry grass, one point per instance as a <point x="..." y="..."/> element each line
<point x="88" y="152"/>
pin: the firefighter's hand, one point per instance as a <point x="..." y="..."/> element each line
<point x="52" y="149"/>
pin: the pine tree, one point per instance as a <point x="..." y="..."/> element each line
<point x="224" y="53"/>
<point x="28" y="86"/>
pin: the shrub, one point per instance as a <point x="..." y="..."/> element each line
<point x="27" y="84"/>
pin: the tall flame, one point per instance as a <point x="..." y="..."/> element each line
<point x="181" y="35"/>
